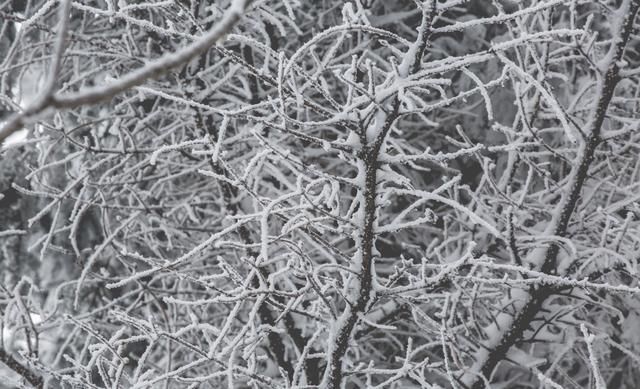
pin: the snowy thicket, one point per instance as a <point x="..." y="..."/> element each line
<point x="320" y="194"/>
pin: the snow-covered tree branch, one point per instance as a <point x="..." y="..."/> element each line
<point x="319" y="194"/>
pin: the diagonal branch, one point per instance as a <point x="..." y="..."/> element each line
<point x="514" y="328"/>
<point x="32" y="378"/>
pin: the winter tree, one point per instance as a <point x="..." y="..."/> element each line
<point x="320" y="194"/>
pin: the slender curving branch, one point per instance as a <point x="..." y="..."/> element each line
<point x="152" y="70"/>
<point x="43" y="100"/>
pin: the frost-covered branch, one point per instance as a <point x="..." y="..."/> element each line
<point x="367" y="194"/>
<point x="513" y="328"/>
